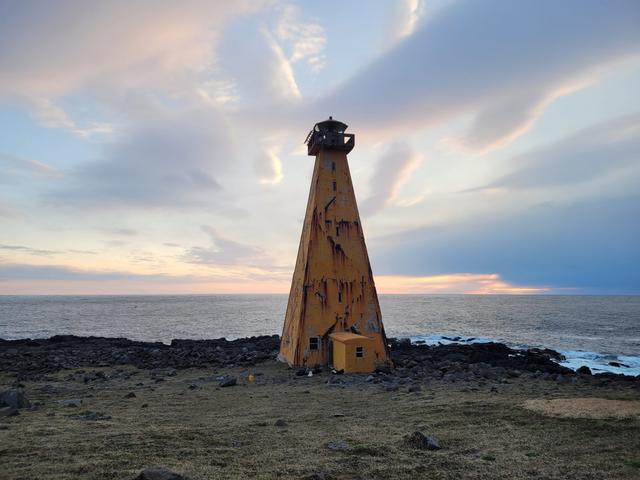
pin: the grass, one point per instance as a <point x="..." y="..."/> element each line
<point x="213" y="432"/>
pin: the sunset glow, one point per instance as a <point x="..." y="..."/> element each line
<point x="152" y="147"/>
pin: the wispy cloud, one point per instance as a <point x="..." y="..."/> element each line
<point x="268" y="166"/>
<point x="43" y="252"/>
<point x="15" y="165"/>
<point x="502" y="61"/>
<point x="152" y="44"/>
<point x="587" y="155"/>
<point x="224" y="251"/>
<point x="392" y="170"/>
<point x="53" y="116"/>
<point x="404" y="17"/>
<point x="173" y="161"/>
<point x="304" y="40"/>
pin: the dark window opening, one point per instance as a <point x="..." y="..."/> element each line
<point x="337" y="231"/>
<point x="339" y="297"/>
<point x="335" y="186"/>
<point x="314" y="343"/>
<point x="359" y="352"/>
<point x="333" y="166"/>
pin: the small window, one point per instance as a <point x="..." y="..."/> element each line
<point x="314" y="343"/>
<point x="333" y="166"/>
<point x="337" y="230"/>
<point x="335" y="186"/>
<point x="359" y="352"/>
<point x="339" y="297"/>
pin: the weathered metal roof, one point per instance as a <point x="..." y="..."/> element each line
<point x="348" y="337"/>
<point x="331" y="125"/>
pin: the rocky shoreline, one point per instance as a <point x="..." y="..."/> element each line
<point x="112" y="408"/>
<point x="27" y="358"/>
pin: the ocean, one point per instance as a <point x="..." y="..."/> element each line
<point x="602" y="332"/>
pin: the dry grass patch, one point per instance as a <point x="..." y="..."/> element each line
<point x="208" y="432"/>
<point x="585" y="407"/>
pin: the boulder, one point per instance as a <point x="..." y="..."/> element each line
<point x="8" y="412"/>
<point x="584" y="370"/>
<point x="339" y="445"/>
<point x="159" y="473"/>
<point x="280" y="423"/>
<point x="72" y="402"/>
<point x="228" y="382"/>
<point x="14" y="399"/>
<point x="422" y="442"/>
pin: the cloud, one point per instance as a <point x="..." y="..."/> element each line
<point x="123" y="232"/>
<point x="28" y="250"/>
<point x="502" y="61"/>
<point x="43" y="252"/>
<point x="505" y="120"/>
<point x="52" y="116"/>
<point x="393" y="169"/>
<point x="459" y="283"/>
<point x="268" y="166"/>
<point x="20" y="166"/>
<point x="589" y="154"/>
<point x="33" y="279"/>
<point x="224" y="251"/>
<point x="589" y="245"/>
<point x="304" y="40"/>
<point x="24" y="279"/>
<point x="172" y="161"/>
<point x="251" y="57"/>
<point x="52" y="49"/>
<point x="6" y="210"/>
<point x="404" y="17"/>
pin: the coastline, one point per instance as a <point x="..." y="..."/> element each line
<point x="70" y="351"/>
<point x="108" y="408"/>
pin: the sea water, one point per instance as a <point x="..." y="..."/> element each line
<point x="589" y="330"/>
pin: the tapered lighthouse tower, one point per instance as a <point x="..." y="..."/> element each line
<point x="333" y="315"/>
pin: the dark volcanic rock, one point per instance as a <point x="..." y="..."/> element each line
<point x="584" y="370"/>
<point x="422" y="442"/>
<point x="228" y="382"/>
<point x="339" y="445"/>
<point x="14" y="399"/>
<point x="8" y="412"/>
<point x="487" y="358"/>
<point x="30" y="357"/>
<point x="159" y="473"/>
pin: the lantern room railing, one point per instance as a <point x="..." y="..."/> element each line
<point x="331" y="136"/>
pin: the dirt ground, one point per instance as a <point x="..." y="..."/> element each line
<point x="185" y="421"/>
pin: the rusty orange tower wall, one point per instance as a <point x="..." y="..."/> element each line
<point x="333" y="315"/>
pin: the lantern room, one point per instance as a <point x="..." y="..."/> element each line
<point x="329" y="134"/>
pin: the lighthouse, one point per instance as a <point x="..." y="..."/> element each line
<point x="333" y="314"/>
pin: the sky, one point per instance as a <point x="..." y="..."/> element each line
<point x="156" y="147"/>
